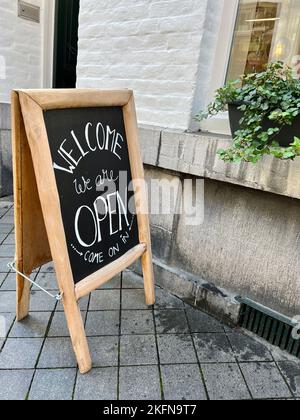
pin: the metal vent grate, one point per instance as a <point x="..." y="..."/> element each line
<point x="270" y="325"/>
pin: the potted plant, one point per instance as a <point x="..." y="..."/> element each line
<point x="264" y="112"/>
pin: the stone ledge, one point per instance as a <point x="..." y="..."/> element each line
<point x="196" y="154"/>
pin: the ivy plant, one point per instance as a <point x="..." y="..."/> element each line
<point x="273" y="94"/>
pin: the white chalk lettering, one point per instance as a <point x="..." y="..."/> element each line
<point x="100" y="145"/>
<point x="91" y="257"/>
<point x="106" y="139"/>
<point x="112" y="208"/>
<point x="83" y="186"/>
<point x="97" y="207"/>
<point x="117" y="144"/>
<point x="114" y="250"/>
<point x="87" y="137"/>
<point x="103" y="210"/>
<point x="93" y="219"/>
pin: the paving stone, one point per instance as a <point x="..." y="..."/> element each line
<point x="139" y="375"/>
<point x="9" y="206"/>
<point x="57" y="353"/>
<point x="115" y="283"/>
<point x="6" y="322"/>
<point x="7" y="219"/>
<point x="225" y="382"/>
<point x="139" y="383"/>
<point x="7" y="201"/>
<point x="7" y="302"/>
<point x="7" y="251"/>
<point x="202" y="323"/>
<point x="3" y="211"/>
<point x="3" y="264"/>
<point x="8" y="240"/>
<point x="170" y="321"/>
<point x="164" y="300"/>
<point x="83" y="305"/>
<point x="230" y="330"/>
<point x="9" y="285"/>
<point x="134" y="299"/>
<point x="97" y="385"/>
<point x="34" y="326"/>
<point x="104" y="351"/>
<point x="248" y="350"/>
<point x="2" y="278"/>
<point x="183" y="382"/>
<point x="53" y="385"/>
<point x="20" y="353"/>
<point x="6" y="227"/>
<point x="138" y="350"/>
<point x="105" y="300"/>
<point x="48" y="268"/>
<point x="4" y="208"/>
<point x="40" y="302"/>
<point x="47" y="281"/>
<point x="103" y="323"/>
<point x="213" y="348"/>
<point x="265" y="381"/>
<point x="137" y="322"/>
<point x="58" y="327"/>
<point x="131" y="280"/>
<point x="280" y="355"/>
<point x="176" y="349"/>
<point x="291" y="372"/>
<point x="14" y="384"/>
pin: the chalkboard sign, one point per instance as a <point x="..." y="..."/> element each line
<point x="79" y="199"/>
<point x="92" y="169"/>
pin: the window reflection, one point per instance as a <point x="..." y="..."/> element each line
<point x="265" y="31"/>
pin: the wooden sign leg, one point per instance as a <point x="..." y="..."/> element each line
<point x="19" y="136"/>
<point x="138" y="176"/>
<point x="23" y="298"/>
<point x="78" y="336"/>
<point x="147" y="267"/>
<point x="32" y="246"/>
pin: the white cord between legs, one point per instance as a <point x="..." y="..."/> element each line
<point x="12" y="266"/>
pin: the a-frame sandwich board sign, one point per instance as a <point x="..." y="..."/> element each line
<point x="80" y="197"/>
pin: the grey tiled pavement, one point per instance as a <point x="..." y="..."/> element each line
<point x="171" y="351"/>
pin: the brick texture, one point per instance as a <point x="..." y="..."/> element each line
<point x="151" y="46"/>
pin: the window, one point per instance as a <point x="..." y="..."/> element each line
<point x="265" y="31"/>
<point x="252" y="34"/>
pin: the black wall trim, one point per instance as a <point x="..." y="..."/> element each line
<point x="65" y="43"/>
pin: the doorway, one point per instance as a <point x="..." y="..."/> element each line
<point x="65" y="43"/>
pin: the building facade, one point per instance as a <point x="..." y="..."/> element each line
<point x="174" y="55"/>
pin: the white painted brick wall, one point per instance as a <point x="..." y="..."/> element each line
<point x="20" y="49"/>
<point x="151" y="46"/>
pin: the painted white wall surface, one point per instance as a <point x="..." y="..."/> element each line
<point x="21" y="49"/>
<point x="162" y="49"/>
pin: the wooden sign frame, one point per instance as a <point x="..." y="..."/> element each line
<point x="39" y="230"/>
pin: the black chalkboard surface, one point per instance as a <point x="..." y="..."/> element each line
<point x="92" y="171"/>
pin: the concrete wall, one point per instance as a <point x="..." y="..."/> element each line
<point x="21" y="66"/>
<point x="161" y="49"/>
<point x="249" y="242"/>
<point x="6" y="181"/>
<point x="21" y="49"/>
